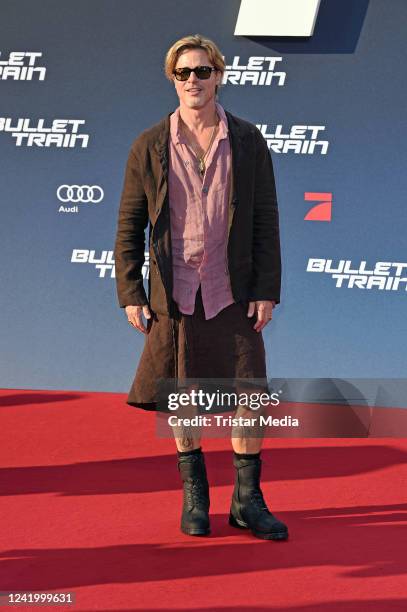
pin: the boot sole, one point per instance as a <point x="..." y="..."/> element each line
<point x="196" y="532"/>
<point x="234" y="522"/>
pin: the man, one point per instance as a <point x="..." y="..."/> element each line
<point x="203" y="180"/>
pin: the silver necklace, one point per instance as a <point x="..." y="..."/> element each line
<point x="201" y="158"/>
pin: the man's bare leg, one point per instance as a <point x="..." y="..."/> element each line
<point x="187" y="437"/>
<point x="248" y="439"/>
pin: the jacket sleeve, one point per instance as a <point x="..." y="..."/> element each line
<point x="266" y="252"/>
<point x="130" y="236"/>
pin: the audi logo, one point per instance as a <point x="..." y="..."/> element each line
<point x="80" y="193"/>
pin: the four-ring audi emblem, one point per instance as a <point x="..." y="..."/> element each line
<point x="80" y="193"/>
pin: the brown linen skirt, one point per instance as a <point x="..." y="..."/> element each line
<point x="191" y="347"/>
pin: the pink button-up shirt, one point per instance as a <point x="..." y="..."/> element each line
<point x="199" y="219"/>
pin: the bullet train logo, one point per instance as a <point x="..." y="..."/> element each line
<point x="383" y="275"/>
<point x="277" y="17"/>
<point x="298" y="139"/>
<point x="258" y="70"/>
<point x="60" y="133"/>
<point x="104" y="262"/>
<point x="21" y="66"/>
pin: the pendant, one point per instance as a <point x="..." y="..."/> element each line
<point x="201" y="166"/>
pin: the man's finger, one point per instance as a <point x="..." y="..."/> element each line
<point x="139" y="322"/>
<point x="133" y="321"/>
<point x="146" y="312"/>
<point x="134" y="318"/>
<point x="264" y="315"/>
<point x="251" y="309"/>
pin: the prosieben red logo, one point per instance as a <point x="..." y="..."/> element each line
<point x="321" y="211"/>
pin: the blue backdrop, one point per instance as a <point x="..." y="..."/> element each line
<point x="101" y="76"/>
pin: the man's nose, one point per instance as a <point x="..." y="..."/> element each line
<point x="192" y="78"/>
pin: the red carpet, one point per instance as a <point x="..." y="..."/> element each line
<point x="91" y="498"/>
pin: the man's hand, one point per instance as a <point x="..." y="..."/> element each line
<point x="264" y="309"/>
<point x="134" y="316"/>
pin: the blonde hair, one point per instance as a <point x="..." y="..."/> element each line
<point x="195" y="41"/>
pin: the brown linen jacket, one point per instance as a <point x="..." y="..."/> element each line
<point x="253" y="249"/>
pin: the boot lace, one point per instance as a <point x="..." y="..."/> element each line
<point x="196" y="493"/>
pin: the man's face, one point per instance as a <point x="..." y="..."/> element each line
<point x="196" y="93"/>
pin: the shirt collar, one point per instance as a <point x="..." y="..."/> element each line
<point x="175" y="129"/>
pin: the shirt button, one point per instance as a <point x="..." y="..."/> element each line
<point x="205" y="189"/>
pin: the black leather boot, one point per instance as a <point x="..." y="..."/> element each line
<point x="195" y="518"/>
<point x="248" y="509"/>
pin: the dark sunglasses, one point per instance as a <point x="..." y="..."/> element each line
<point x="202" y="72"/>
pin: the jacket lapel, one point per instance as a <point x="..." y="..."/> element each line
<point x="235" y="138"/>
<point x="161" y="150"/>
